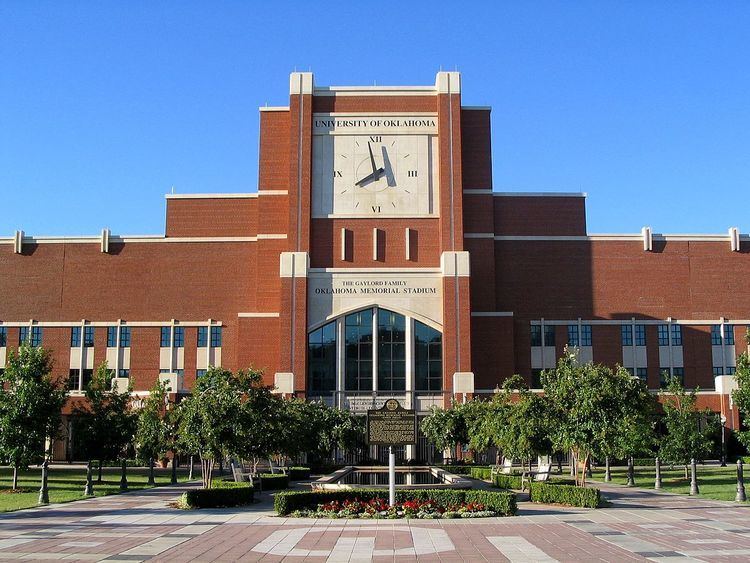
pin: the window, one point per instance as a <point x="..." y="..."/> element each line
<point x="111" y="337"/>
<point x="33" y="337"/>
<point x="215" y="337"/>
<point x="640" y="373"/>
<point x="358" y="354"/>
<point x="200" y="372"/>
<point x="179" y="371"/>
<point x="88" y="375"/>
<point x="536" y="378"/>
<point x="536" y="335"/>
<point x="716" y="335"/>
<point x="125" y="337"/>
<point x="428" y="358"/>
<point x="75" y="337"/>
<point x="676" y="335"/>
<point x="165" y="370"/>
<point x="179" y="337"/>
<point x="677" y="373"/>
<point x="391" y="351"/>
<point x="663" y="335"/>
<point x="731" y="370"/>
<point x="73" y="379"/>
<point x="585" y="335"/>
<point x="640" y="335"/>
<point x="202" y="336"/>
<point x="573" y="335"/>
<point x="166" y="336"/>
<point x="124" y="373"/>
<point x="88" y="336"/>
<point x="321" y="359"/>
<point x="3" y="336"/>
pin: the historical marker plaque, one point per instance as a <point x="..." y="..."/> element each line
<point x="391" y="425"/>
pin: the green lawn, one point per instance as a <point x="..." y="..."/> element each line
<point x="714" y="482"/>
<point x="67" y="484"/>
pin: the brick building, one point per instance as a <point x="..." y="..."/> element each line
<point x="375" y="260"/>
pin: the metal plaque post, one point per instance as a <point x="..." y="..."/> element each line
<point x="391" y="476"/>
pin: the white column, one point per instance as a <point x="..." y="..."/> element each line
<point x="171" y="347"/>
<point x="375" y="351"/>
<point x="117" y="355"/>
<point x="80" y="354"/>
<point x="411" y="399"/>
<point x="635" y="349"/>
<point x="340" y="362"/>
<point x="391" y="476"/>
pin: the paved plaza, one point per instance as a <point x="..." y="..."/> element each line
<point x="141" y="526"/>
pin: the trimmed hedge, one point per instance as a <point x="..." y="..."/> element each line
<point x="482" y="473"/>
<point x="570" y="495"/>
<point x="507" y="481"/>
<point x="502" y="502"/>
<point x="223" y="493"/>
<point x="299" y="473"/>
<point x="461" y="469"/>
<point x="273" y="481"/>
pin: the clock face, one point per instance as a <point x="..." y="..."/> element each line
<point x="376" y="173"/>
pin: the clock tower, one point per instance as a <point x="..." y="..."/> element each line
<point x="374" y="291"/>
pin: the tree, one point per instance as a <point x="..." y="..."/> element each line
<point x="152" y="435"/>
<point x="741" y="395"/>
<point x="30" y="407"/>
<point x="587" y="404"/>
<point x="105" y="424"/>
<point x="690" y="430"/>
<point x="633" y="432"/>
<point x="446" y="428"/>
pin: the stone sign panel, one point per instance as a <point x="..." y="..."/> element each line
<point x="391" y="425"/>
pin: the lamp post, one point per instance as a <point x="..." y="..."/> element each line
<point x="723" y="442"/>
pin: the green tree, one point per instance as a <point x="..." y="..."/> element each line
<point x="105" y="424"/>
<point x="587" y="406"/>
<point x="633" y="433"/>
<point x="741" y="395"/>
<point x="30" y="407"/>
<point x="152" y="437"/>
<point x="446" y="428"/>
<point x="690" y="430"/>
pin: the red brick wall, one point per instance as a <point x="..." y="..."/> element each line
<point x="374" y="104"/>
<point x="476" y="149"/>
<point x="224" y="217"/>
<point x="540" y="216"/>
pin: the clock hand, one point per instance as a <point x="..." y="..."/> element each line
<point x="388" y="168"/>
<point x="372" y="158"/>
<point x="370" y="177"/>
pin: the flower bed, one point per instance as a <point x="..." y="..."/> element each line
<point x="370" y="503"/>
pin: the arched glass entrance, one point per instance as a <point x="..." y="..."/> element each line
<point x="373" y="353"/>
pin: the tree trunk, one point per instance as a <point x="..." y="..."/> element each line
<point x="583" y="470"/>
<point x="173" y="479"/>
<point x="99" y="476"/>
<point x="15" y="476"/>
<point x="207" y="466"/>
<point x="151" y="480"/>
<point x="190" y="475"/>
<point x="687" y="475"/>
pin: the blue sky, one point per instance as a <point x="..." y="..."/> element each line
<point x="104" y="106"/>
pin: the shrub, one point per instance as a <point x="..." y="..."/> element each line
<point x="223" y="493"/>
<point x="642" y="461"/>
<point x="504" y="503"/>
<point x="483" y="473"/>
<point x="299" y="473"/>
<point x="273" y="481"/>
<point x="570" y="495"/>
<point x="507" y="481"/>
<point x="461" y="469"/>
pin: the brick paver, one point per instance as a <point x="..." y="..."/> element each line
<point x="640" y="525"/>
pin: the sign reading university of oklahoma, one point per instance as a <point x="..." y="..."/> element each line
<point x="392" y="425"/>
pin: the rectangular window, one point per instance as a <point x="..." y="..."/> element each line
<point x="573" y="335"/>
<point x="179" y="371"/>
<point x="73" y="379"/>
<point x="124" y="373"/>
<point x="677" y="373"/>
<point x="585" y="335"/>
<point x="642" y="374"/>
<point x="165" y="370"/>
<point x="88" y="375"/>
<point x="3" y="336"/>
<point x="536" y="335"/>
<point x="166" y="336"/>
<point x="716" y="335"/>
<point x="720" y="370"/>
<point x="215" y="337"/>
<point x="202" y="336"/>
<point x="731" y="370"/>
<point x="200" y="372"/>
<point x="676" y="335"/>
<point x="536" y="378"/>
<point x="111" y="337"/>
<point x="179" y="337"/>
<point x="640" y="335"/>
<point x="626" y="335"/>
<point x="124" y="337"/>
<point x="75" y="337"/>
<point x="88" y="336"/>
<point x="663" y="335"/>
<point x="33" y="337"/>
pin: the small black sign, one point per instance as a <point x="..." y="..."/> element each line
<point x="391" y="425"/>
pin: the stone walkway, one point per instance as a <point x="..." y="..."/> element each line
<point x="139" y="526"/>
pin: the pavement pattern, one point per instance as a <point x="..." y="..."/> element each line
<point x="141" y="526"/>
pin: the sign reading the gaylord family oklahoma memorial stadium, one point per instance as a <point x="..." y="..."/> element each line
<point x="391" y="425"/>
